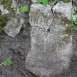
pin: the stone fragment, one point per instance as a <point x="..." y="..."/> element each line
<point x="64" y="9"/>
<point x="13" y="27"/>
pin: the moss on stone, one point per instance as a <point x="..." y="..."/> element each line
<point x="7" y="4"/>
<point x="68" y="29"/>
<point x="3" y="20"/>
<point x="66" y="39"/>
<point x="66" y="20"/>
<point x="67" y="1"/>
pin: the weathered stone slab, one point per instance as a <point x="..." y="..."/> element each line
<point x="51" y="45"/>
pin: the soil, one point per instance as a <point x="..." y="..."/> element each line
<point x="17" y="47"/>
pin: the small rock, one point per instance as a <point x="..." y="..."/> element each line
<point x="13" y="27"/>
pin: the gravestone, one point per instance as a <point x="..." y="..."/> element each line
<point x="51" y="42"/>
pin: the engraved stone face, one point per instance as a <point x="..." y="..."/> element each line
<point x="51" y="46"/>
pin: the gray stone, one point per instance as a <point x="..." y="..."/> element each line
<point x="40" y="13"/>
<point x="63" y="8"/>
<point x="34" y="1"/>
<point x="13" y="27"/>
<point x="51" y="45"/>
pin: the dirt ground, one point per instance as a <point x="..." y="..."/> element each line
<point x="16" y="47"/>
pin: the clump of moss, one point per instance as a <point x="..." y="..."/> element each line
<point x="66" y="1"/>
<point x="7" y="4"/>
<point x="66" y="20"/>
<point x="69" y="29"/>
<point x="3" y="20"/>
<point x="66" y="39"/>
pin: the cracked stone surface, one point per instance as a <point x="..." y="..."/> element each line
<point x="51" y="45"/>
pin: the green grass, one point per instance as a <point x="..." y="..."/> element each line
<point x="24" y="9"/>
<point x="7" y="62"/>
<point x="44" y="2"/>
<point x="74" y="18"/>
